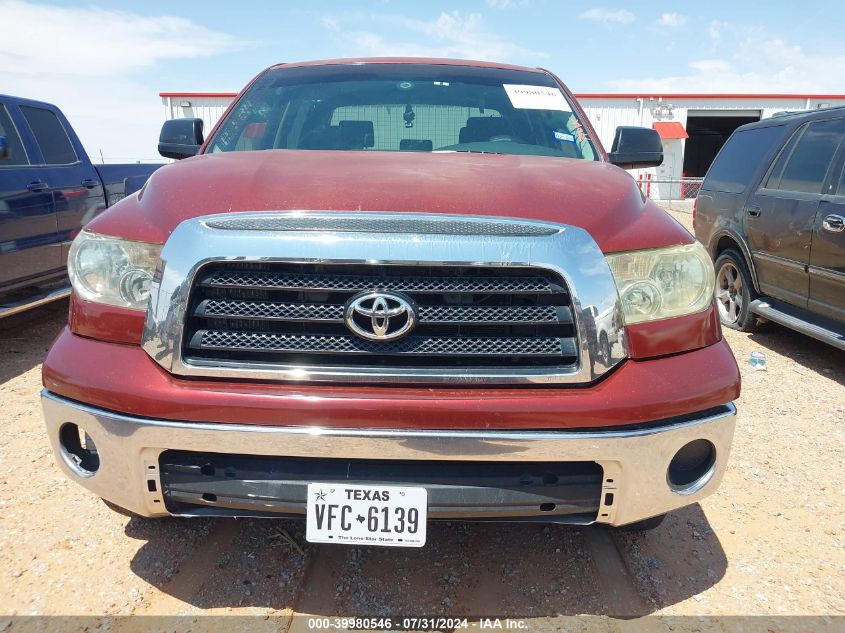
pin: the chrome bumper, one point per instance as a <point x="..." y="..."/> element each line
<point x="634" y="461"/>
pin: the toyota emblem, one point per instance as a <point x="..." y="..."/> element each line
<point x="380" y="316"/>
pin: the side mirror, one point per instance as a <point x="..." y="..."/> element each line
<point x="5" y="150"/>
<point x="636" y="147"/>
<point x="180" y="138"/>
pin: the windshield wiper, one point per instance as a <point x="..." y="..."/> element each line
<point x="465" y="151"/>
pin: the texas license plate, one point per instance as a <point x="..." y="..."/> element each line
<point x="393" y="516"/>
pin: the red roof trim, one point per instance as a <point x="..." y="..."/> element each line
<point x="670" y="129"/>
<point x="595" y="95"/>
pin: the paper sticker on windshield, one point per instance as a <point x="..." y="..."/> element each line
<point x="536" y="97"/>
<point x="563" y="136"/>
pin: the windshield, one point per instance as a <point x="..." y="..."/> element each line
<point x="405" y="108"/>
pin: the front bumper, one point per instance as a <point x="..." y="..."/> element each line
<point x="134" y="474"/>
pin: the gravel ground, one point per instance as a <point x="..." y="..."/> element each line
<point x="770" y="542"/>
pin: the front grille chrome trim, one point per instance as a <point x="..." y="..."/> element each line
<point x="565" y="251"/>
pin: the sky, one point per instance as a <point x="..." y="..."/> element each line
<point x="104" y="63"/>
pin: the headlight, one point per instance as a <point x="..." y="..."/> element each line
<point x="663" y="282"/>
<point x="112" y="271"/>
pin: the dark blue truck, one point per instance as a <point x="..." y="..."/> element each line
<point x="49" y="189"/>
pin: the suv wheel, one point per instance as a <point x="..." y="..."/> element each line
<point x="734" y="292"/>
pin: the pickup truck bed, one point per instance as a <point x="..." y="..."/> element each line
<point x="121" y="180"/>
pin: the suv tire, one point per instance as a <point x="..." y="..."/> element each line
<point x="734" y="292"/>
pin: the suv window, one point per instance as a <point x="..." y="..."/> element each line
<point x="50" y="135"/>
<point x="807" y="165"/>
<point x="840" y="189"/>
<point x="777" y="169"/>
<point x="739" y="158"/>
<point x="7" y="129"/>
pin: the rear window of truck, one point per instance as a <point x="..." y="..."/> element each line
<point x="739" y="159"/>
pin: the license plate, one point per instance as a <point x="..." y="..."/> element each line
<point x="393" y="516"/>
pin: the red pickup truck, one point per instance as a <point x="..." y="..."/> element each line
<point x="384" y="291"/>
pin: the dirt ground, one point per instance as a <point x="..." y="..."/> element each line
<point x="770" y="542"/>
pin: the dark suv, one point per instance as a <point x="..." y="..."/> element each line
<point x="771" y="212"/>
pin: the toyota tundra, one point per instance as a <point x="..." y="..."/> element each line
<point x="387" y="291"/>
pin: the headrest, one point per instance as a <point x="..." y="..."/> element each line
<point x="482" y="128"/>
<point x="357" y="133"/>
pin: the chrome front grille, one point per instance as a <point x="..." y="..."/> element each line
<point x="265" y="296"/>
<point x="293" y="315"/>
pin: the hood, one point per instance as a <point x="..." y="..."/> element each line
<point x="596" y="196"/>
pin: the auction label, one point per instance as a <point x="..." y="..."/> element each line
<point x="536" y="97"/>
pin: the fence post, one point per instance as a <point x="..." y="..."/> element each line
<point x="679" y="189"/>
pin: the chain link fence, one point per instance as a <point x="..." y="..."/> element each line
<point x="678" y="194"/>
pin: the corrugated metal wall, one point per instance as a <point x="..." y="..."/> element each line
<point x="209" y="109"/>
<point x="607" y="113"/>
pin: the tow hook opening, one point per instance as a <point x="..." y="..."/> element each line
<point x="692" y="467"/>
<point x="79" y="450"/>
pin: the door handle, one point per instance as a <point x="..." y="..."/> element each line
<point x="834" y="223"/>
<point x="90" y="183"/>
<point x="37" y="185"/>
<point x="754" y="212"/>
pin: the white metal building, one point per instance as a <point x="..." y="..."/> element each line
<point x="693" y="126"/>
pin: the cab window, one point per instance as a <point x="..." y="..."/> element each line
<point x="17" y="154"/>
<point x="50" y="135"/>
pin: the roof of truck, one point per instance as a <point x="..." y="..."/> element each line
<point x="437" y="61"/>
<point x="25" y="101"/>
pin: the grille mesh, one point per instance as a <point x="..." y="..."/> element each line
<point x="492" y="314"/>
<point x="263" y="279"/>
<point x="212" y="308"/>
<point x="429" y="226"/>
<point x="293" y="315"/>
<point x="417" y="345"/>
<point x="269" y="310"/>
